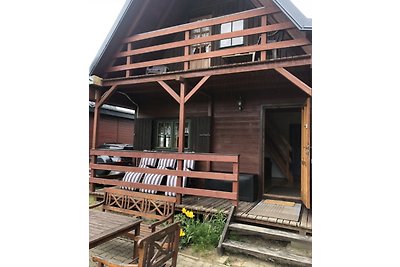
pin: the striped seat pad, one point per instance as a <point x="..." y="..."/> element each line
<point x="154" y="179"/>
<point x="148" y="162"/>
<point x="166" y="163"/>
<point x="188" y="165"/>
<point x="134" y="177"/>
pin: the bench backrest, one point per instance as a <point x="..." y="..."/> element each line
<point x="149" y="206"/>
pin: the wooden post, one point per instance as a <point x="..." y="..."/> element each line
<point x="181" y="134"/>
<point x="128" y="59"/>
<point x="235" y="184"/>
<point x="186" y="51"/>
<point x="264" y="37"/>
<point x="94" y="133"/>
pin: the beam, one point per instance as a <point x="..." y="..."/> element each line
<point x="106" y="96"/>
<point x="223" y="70"/>
<point x="170" y="91"/>
<point x="196" y="88"/>
<point x="296" y="81"/>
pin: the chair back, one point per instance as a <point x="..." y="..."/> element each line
<point x="159" y="247"/>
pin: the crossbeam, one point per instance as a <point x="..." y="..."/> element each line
<point x="196" y="88"/>
<point x="293" y="79"/>
<point x="170" y="91"/>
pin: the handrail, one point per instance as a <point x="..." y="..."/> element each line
<point x="232" y="176"/>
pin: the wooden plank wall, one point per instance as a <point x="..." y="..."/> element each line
<point x="112" y="130"/>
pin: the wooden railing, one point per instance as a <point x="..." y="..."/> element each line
<point x="182" y="32"/>
<point x="232" y="176"/>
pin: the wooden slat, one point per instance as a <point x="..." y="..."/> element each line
<point x="167" y="155"/>
<point x="180" y="190"/>
<point x="263" y="252"/>
<point x="218" y="53"/>
<point x="202" y="23"/>
<point x="270" y="233"/>
<point x="193" y="174"/>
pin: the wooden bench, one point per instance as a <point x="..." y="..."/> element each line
<point x="153" y="209"/>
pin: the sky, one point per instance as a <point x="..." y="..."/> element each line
<point x="108" y="11"/>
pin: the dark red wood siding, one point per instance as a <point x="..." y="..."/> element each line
<point x="112" y="130"/>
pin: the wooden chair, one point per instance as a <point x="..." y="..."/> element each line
<point x="154" y="250"/>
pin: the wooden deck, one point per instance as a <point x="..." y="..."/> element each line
<point x="212" y="205"/>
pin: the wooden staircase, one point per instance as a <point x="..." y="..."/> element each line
<point x="265" y="243"/>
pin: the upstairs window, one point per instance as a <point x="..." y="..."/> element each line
<point x="231" y="27"/>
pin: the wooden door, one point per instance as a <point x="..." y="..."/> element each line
<point x="306" y="154"/>
<point x="202" y="47"/>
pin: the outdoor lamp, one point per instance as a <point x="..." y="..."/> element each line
<point x="240" y="103"/>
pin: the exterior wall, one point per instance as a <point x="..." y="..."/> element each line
<point x="112" y="130"/>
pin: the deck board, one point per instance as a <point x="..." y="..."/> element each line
<point x="207" y="205"/>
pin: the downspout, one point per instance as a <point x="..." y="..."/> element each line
<point x="133" y="102"/>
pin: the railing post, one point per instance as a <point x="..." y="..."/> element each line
<point x="128" y="59"/>
<point x="263" y="37"/>
<point x="186" y="51"/>
<point x="235" y="184"/>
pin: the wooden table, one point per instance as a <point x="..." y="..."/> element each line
<point x="104" y="226"/>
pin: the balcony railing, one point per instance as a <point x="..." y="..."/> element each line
<point x="141" y="51"/>
<point x="232" y="176"/>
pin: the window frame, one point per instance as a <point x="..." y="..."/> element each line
<point x="231" y="30"/>
<point x="173" y="136"/>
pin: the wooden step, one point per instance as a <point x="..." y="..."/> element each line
<point x="265" y="253"/>
<point x="269" y="233"/>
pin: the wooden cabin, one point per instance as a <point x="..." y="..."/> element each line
<point x="228" y="81"/>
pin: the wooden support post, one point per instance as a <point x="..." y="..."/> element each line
<point x="128" y="59"/>
<point x="235" y="184"/>
<point x="264" y="37"/>
<point x="181" y="135"/>
<point x="186" y="51"/>
<point x="94" y="134"/>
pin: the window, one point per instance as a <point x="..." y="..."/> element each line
<point x="231" y="27"/>
<point x="167" y="134"/>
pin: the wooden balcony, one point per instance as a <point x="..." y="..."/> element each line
<point x="174" y="48"/>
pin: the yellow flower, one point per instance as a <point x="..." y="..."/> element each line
<point x="181" y="233"/>
<point x="183" y="210"/>
<point x="190" y="214"/>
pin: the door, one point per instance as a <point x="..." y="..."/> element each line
<point x="202" y="47"/>
<point x="306" y="154"/>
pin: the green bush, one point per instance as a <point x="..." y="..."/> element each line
<point x="200" y="234"/>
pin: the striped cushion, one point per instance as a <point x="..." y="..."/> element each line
<point x="188" y="165"/>
<point x="134" y="177"/>
<point x="148" y="162"/>
<point x="166" y="163"/>
<point x="152" y="178"/>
